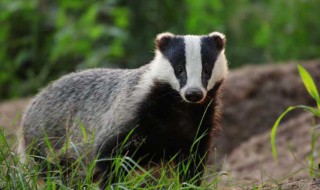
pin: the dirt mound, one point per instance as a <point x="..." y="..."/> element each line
<point x="256" y="95"/>
<point x="293" y="147"/>
<point x="254" y="98"/>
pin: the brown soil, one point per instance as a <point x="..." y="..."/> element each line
<point x="10" y="114"/>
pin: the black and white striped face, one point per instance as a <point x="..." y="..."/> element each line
<point x="191" y="64"/>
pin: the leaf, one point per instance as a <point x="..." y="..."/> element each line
<point x="274" y="131"/>
<point x="309" y="84"/>
<point x="314" y="111"/>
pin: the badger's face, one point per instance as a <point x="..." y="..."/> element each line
<point x="191" y="64"/>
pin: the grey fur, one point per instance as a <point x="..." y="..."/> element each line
<point x="99" y="98"/>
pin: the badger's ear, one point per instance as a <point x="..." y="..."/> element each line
<point x="219" y="39"/>
<point x="163" y="40"/>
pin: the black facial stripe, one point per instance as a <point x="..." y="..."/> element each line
<point x="209" y="54"/>
<point x="175" y="53"/>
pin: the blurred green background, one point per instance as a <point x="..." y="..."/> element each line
<point x="41" y="40"/>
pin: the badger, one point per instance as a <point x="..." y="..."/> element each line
<point x="154" y="113"/>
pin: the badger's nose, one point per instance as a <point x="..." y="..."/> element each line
<point x="193" y="94"/>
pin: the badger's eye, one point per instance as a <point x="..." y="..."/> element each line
<point x="179" y="70"/>
<point x="207" y="71"/>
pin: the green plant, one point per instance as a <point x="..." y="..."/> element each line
<point x="312" y="90"/>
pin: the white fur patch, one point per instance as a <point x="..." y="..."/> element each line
<point x="220" y="70"/>
<point x="162" y="70"/>
<point x="193" y="64"/>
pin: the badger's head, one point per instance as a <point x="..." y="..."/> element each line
<point x="191" y="64"/>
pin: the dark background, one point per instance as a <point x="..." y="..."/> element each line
<point x="41" y="40"/>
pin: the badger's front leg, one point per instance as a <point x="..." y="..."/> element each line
<point x="192" y="165"/>
<point x="191" y="169"/>
<point x="108" y="151"/>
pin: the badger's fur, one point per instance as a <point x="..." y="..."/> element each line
<point x="161" y="104"/>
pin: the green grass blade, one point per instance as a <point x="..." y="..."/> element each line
<point x="84" y="132"/>
<point x="274" y="131"/>
<point x="312" y="110"/>
<point x="309" y="84"/>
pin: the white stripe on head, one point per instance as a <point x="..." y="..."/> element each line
<point x="193" y="63"/>
<point x="220" y="70"/>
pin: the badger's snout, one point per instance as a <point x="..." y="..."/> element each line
<point x="193" y="94"/>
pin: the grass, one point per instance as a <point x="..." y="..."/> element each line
<point x="17" y="175"/>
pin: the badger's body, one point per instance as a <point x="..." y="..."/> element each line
<point x="165" y="106"/>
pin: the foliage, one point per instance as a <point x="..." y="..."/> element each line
<point x="42" y="40"/>
<point x="312" y="90"/>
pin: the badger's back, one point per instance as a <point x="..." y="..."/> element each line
<point x="83" y="98"/>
